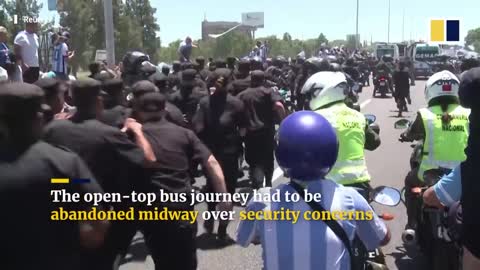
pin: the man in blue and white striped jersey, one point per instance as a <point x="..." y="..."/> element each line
<point x="61" y="56"/>
<point x="307" y="149"/>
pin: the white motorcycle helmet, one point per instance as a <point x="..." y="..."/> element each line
<point x="443" y="83"/>
<point x="325" y="87"/>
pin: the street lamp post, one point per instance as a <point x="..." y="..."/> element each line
<point x="388" y="35"/>
<point x="356" y="31"/>
<point x="109" y="38"/>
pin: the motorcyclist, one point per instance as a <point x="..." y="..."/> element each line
<point x="327" y="92"/>
<point x="307" y="149"/>
<point x="443" y="128"/>
<point x="350" y="69"/>
<point x="364" y="69"/>
<point x="384" y="68"/>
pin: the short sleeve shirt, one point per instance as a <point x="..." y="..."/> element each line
<point x="108" y="152"/>
<point x="25" y="198"/>
<point x="29" y="43"/>
<point x="259" y="104"/>
<point x="175" y="147"/>
<point x="309" y="244"/>
<point x="449" y="188"/>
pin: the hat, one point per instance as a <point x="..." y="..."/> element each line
<point x="220" y="63"/>
<point x="223" y="72"/>
<point x="66" y="35"/>
<point x="151" y="102"/>
<point x="50" y="86"/>
<point x="20" y="99"/>
<point x="113" y="86"/>
<point x="188" y="78"/>
<point x="3" y="30"/>
<point x="244" y="65"/>
<point x="143" y="87"/>
<point x="258" y="75"/>
<point x="85" y="91"/>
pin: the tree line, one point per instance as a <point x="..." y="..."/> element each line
<point x="136" y="28"/>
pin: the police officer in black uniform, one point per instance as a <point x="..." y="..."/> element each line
<point x="54" y="91"/>
<point x="26" y="167"/>
<point x="115" y="111"/>
<point x="189" y="95"/>
<point x="173" y="114"/>
<point x="263" y="108"/>
<point x="242" y="78"/>
<point x="172" y="243"/>
<point x="219" y="122"/>
<point x="115" y="161"/>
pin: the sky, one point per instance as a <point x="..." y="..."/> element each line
<point x="305" y="19"/>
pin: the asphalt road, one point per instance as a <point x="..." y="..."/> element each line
<point x="387" y="165"/>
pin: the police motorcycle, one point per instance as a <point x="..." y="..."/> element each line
<point x="382" y="80"/>
<point x="435" y="230"/>
<point x="374" y="259"/>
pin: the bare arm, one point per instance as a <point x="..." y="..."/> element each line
<point x="92" y="233"/>
<point x="279" y="110"/>
<point x="431" y="199"/>
<point x="215" y="173"/>
<point x="140" y="140"/>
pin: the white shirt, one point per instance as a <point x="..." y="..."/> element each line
<point x="29" y="44"/>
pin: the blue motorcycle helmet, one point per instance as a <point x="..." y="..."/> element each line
<point x="307" y="146"/>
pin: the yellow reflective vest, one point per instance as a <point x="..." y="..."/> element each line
<point x="349" y="125"/>
<point x="444" y="144"/>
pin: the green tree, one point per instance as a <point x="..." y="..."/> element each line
<point x="287" y="37"/>
<point x="8" y="8"/>
<point x="473" y="38"/>
<point x="322" y="39"/>
<point x="78" y="16"/>
<point x="128" y="34"/>
<point x="144" y="15"/>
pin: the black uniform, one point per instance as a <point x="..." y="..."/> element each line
<point x="34" y="242"/>
<point x="217" y="122"/>
<point x="259" y="140"/>
<point x="31" y="240"/>
<point x="115" y="111"/>
<point x="470" y="98"/>
<point x="172" y="243"/>
<point x="188" y="97"/>
<point x="114" y="160"/>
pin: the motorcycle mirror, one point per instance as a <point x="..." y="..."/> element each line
<point x="370" y="118"/>
<point x="402" y="124"/>
<point x="386" y="196"/>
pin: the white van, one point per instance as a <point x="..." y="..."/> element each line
<point x="382" y="49"/>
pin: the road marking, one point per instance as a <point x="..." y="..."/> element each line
<point x="365" y="103"/>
